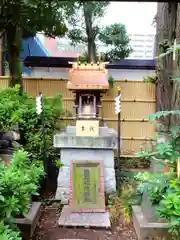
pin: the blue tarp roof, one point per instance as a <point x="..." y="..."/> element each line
<point x="32" y="46"/>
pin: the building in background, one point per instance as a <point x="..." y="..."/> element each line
<point x="143" y="46"/>
<point x="61" y="47"/>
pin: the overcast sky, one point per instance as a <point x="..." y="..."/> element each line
<point x="137" y="16"/>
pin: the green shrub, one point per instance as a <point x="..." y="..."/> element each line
<point x="156" y="185"/>
<point x="7" y="233"/>
<point x="165" y="152"/>
<point x="21" y="110"/>
<point x="164" y="188"/>
<point x="169" y="207"/>
<point x="10" y="103"/>
<point x="20" y="179"/>
<point x="18" y="182"/>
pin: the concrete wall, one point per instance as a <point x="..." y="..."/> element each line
<point x="117" y="74"/>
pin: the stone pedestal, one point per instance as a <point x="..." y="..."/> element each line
<point x="147" y="223"/>
<point x="145" y="229"/>
<point x="77" y="148"/>
<point x="149" y="210"/>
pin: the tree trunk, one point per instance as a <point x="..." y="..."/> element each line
<point x="166" y="24"/>
<point x="15" y="64"/>
<point x="3" y="56"/>
<point x="14" y="57"/>
<point x="89" y="32"/>
<point x="175" y="120"/>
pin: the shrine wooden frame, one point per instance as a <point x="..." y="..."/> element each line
<point x="80" y="103"/>
<point x="102" y="193"/>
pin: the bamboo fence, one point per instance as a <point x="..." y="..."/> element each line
<point x="138" y="101"/>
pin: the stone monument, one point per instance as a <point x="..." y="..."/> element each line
<point x="86" y="150"/>
<point x="145" y="220"/>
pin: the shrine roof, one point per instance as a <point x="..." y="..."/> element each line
<point x="88" y="76"/>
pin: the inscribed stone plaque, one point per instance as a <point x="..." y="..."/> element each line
<point x="87" y="128"/>
<point x="87" y="186"/>
<point x="101" y="142"/>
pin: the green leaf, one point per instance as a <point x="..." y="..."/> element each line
<point x="160" y="114"/>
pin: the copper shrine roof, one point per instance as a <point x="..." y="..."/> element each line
<point x="88" y="76"/>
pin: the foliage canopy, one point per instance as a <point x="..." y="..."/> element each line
<point x="85" y="28"/>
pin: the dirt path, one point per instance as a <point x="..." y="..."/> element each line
<point x="49" y="230"/>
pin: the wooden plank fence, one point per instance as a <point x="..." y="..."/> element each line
<point x="138" y="101"/>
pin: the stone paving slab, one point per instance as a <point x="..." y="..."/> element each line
<point x="97" y="220"/>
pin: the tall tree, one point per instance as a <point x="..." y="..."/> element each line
<point x="116" y="40"/>
<point x="85" y="28"/>
<point x="175" y="102"/>
<point x="165" y="36"/>
<point x="24" y="18"/>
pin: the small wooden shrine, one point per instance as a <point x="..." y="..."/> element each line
<point x="87" y="151"/>
<point x="88" y="82"/>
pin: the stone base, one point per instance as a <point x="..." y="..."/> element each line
<point x="77" y="148"/>
<point x="67" y="155"/>
<point x="146" y="229"/>
<point x="149" y="210"/>
<point x="96" y="220"/>
<point x="28" y="224"/>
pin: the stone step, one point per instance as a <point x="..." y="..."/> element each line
<point x="96" y="220"/>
